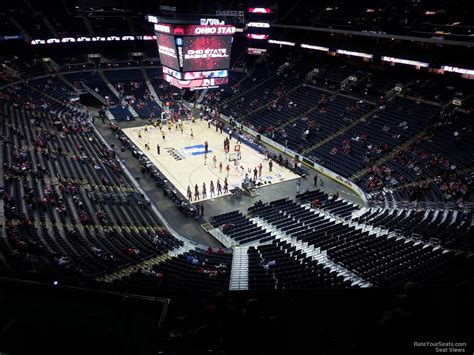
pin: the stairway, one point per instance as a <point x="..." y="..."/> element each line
<point x="93" y="93"/>
<point x="109" y="84"/>
<point x="50" y="26"/>
<point x="150" y="87"/>
<point x="339" y="132"/>
<point x="239" y="276"/>
<point x="463" y="171"/>
<point x="202" y="96"/>
<point x="68" y="83"/>
<point x="381" y="231"/>
<point x="388" y="156"/>
<point x="235" y="97"/>
<point x="296" y="118"/>
<point x="13" y="73"/>
<point x="271" y="101"/>
<point x="116" y="93"/>
<point x="43" y="18"/>
<point x="128" y="270"/>
<point x="221" y="237"/>
<point x="16" y="24"/>
<point x="315" y="253"/>
<point x="47" y="95"/>
<point x="88" y="26"/>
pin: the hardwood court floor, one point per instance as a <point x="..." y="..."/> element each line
<point x="181" y="157"/>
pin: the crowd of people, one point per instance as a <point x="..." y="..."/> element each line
<point x="451" y="187"/>
<point x="429" y="173"/>
<point x="42" y="182"/>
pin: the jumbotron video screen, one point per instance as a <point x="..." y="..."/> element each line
<point x="207" y="53"/>
<point x="167" y="51"/>
<point x="195" y="56"/>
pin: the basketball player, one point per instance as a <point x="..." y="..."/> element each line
<point x="211" y="188"/>
<point x="204" y="190"/>
<point x="214" y="161"/>
<point x="196" y="192"/>
<point x="139" y="134"/>
<point x="226" y="186"/>
<point x="192" y="134"/>
<point x="189" y="194"/>
<point x="220" y="168"/>
<point x="227" y="169"/>
<point x="146" y="129"/>
<point x="219" y="188"/>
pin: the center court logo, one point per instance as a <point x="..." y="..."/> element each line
<point x="174" y="153"/>
<point x="195" y="150"/>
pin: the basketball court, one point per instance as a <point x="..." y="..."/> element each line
<point x="183" y="161"/>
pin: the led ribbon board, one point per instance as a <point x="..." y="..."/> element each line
<point x="283" y="43"/>
<point x="316" y="48"/>
<point x="256" y="36"/>
<point x="414" y="63"/>
<point x="260" y="10"/>
<point x="355" y="54"/>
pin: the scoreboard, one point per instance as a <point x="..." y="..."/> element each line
<point x="194" y="55"/>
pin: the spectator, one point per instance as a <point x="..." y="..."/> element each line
<point x="316" y="203"/>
